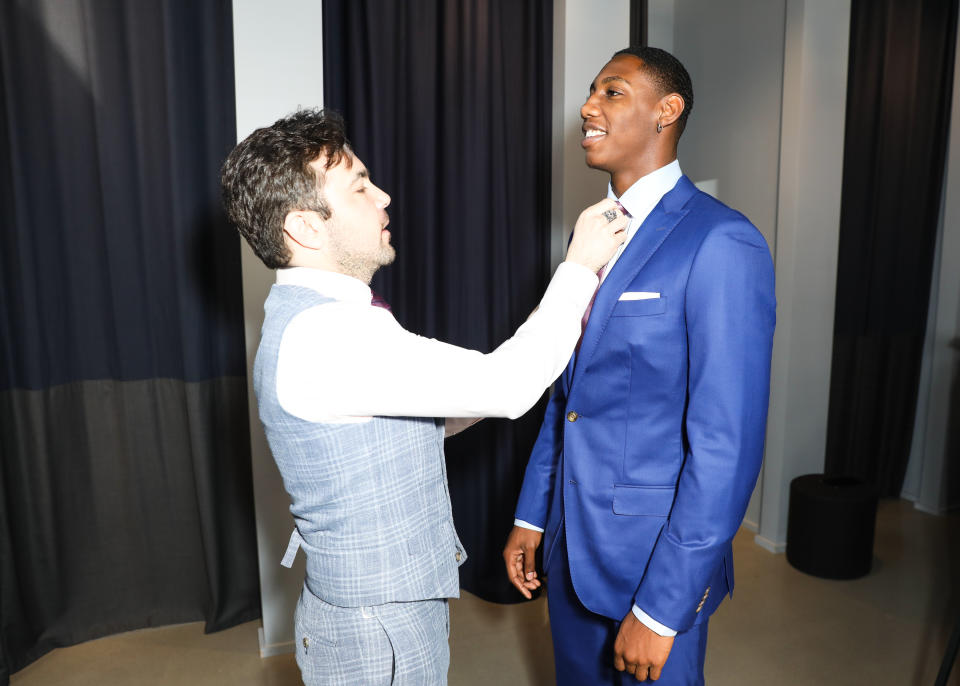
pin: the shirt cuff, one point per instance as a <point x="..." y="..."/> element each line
<point x="652" y="624"/>
<point x="526" y="525"/>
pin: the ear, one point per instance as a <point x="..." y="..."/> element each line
<point x="671" y="107"/>
<point x="305" y="228"/>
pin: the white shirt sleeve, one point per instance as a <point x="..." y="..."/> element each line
<point x="652" y="624"/>
<point x="526" y="525"/>
<point x="348" y="359"/>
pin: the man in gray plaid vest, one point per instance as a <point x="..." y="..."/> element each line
<point x="356" y="408"/>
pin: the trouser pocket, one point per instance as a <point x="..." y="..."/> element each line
<point x="342" y="646"/>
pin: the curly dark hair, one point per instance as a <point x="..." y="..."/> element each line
<point x="669" y="76"/>
<point x="269" y="175"/>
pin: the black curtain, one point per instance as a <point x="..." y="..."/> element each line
<point x="898" y="106"/>
<point x="125" y="484"/>
<point x="638" y="22"/>
<point x="449" y="105"/>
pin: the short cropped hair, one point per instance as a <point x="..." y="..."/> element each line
<point x="269" y="175"/>
<point x="668" y="75"/>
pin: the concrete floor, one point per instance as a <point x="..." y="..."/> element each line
<point x="782" y="628"/>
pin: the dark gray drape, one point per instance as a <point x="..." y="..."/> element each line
<point x="898" y="111"/>
<point x="638" y="22"/>
<point x="449" y="105"/>
<point x="125" y="486"/>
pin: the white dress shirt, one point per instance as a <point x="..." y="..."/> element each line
<point x="347" y="360"/>
<point x="639" y="200"/>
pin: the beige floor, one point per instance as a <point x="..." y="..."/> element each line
<point x="782" y="628"/>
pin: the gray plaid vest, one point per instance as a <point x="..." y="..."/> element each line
<point x="370" y="501"/>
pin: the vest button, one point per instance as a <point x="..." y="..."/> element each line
<point x="572" y="416"/>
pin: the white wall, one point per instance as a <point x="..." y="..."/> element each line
<point x="733" y="134"/>
<point x="586" y="33"/>
<point x="660" y="25"/>
<point x="278" y="67"/>
<point x="808" y="219"/>
<point x="929" y="481"/>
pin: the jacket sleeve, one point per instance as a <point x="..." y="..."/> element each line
<point x="539" y="479"/>
<point x="730" y="315"/>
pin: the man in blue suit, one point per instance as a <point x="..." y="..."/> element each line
<point x="652" y="441"/>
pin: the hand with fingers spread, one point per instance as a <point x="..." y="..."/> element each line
<point x="640" y="651"/>
<point x="599" y="231"/>
<point x="518" y="556"/>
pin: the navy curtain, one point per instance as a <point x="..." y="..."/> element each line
<point x="898" y="111"/>
<point x="125" y="485"/>
<point x="449" y="105"/>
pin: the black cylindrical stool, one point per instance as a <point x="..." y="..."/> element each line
<point x="830" y="526"/>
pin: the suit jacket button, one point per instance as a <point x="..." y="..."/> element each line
<point x="457" y="556"/>
<point x="572" y="416"/>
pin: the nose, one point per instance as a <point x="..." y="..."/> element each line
<point x="589" y="108"/>
<point x="383" y="199"/>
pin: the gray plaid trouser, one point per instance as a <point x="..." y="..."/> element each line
<point x="403" y="644"/>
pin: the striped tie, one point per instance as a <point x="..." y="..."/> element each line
<point x="586" y="314"/>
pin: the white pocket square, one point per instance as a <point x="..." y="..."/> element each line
<point x="639" y="295"/>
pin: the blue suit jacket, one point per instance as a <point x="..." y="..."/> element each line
<point x="652" y="441"/>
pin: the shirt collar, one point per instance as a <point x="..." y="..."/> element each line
<point x="647" y="191"/>
<point x="334" y="285"/>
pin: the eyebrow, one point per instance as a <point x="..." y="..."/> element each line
<point x="361" y="174"/>
<point x="608" y="79"/>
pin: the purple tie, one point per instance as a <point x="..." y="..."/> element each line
<point x="378" y="301"/>
<point x="586" y="314"/>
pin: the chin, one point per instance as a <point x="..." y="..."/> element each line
<point x="387" y="255"/>
<point x="597" y="162"/>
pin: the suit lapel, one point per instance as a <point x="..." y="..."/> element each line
<point x="655" y="229"/>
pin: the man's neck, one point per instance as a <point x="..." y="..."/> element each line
<point x="622" y="179"/>
<point x="321" y="261"/>
<point x="622" y="182"/>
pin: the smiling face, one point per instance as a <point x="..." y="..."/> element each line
<point x="620" y="123"/>
<point x="357" y="237"/>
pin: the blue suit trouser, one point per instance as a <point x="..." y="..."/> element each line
<point x="583" y="641"/>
